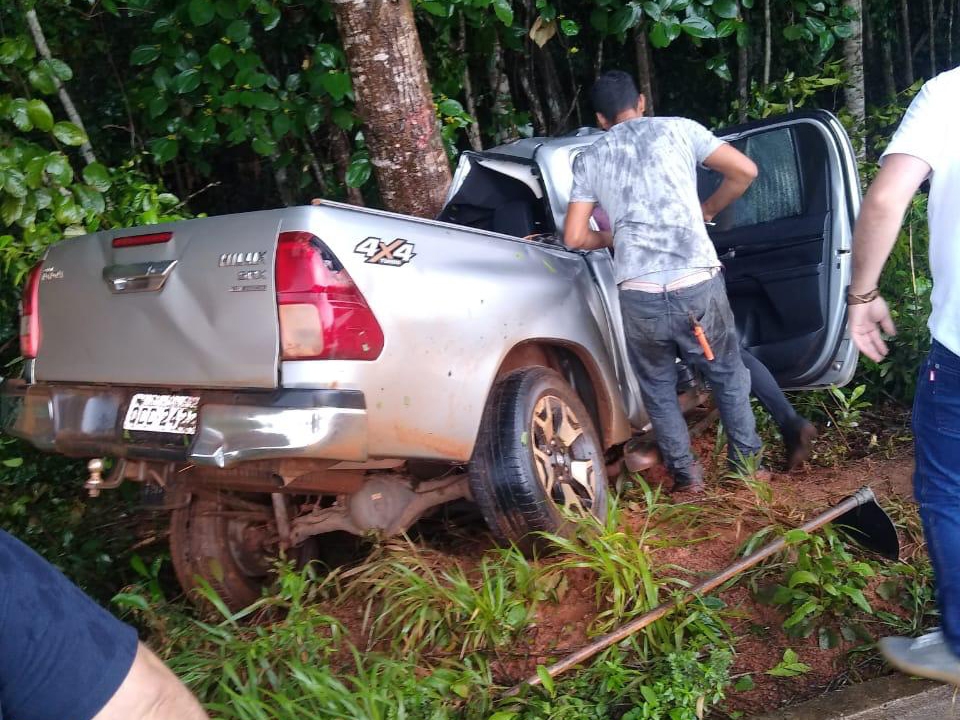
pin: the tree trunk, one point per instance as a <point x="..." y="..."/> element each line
<point x="33" y="22"/>
<point x="743" y="76"/>
<point x="396" y="103"/>
<point x="767" y="43"/>
<point x="933" y="38"/>
<point x="853" y="65"/>
<point x="889" y="80"/>
<point x="909" y="77"/>
<point x="556" y="100"/>
<point x="950" y="9"/>
<point x="341" y="151"/>
<point x="644" y="65"/>
<point x="500" y="87"/>
<point x="473" y="129"/>
<point x="528" y="84"/>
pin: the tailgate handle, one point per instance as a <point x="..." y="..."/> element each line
<point x="138" y="277"/>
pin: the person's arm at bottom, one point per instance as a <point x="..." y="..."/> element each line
<point x="151" y="691"/>
<point x="738" y="172"/>
<point x="873" y="239"/>
<point x="577" y="234"/>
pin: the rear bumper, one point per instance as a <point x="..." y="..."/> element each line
<point x="233" y="427"/>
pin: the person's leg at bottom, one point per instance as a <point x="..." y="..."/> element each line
<point x="653" y="355"/>
<point x="727" y="375"/>
<point x="936" y="425"/>
<point x="798" y="433"/>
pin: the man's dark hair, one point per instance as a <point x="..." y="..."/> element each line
<point x="614" y="92"/>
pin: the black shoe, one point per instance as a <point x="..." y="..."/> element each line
<point x="688" y="480"/>
<point x="798" y="442"/>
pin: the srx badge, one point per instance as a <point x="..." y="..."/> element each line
<point x="379" y="252"/>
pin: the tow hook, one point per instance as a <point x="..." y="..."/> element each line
<point x="95" y="482"/>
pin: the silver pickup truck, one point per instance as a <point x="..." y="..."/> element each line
<point x="294" y="377"/>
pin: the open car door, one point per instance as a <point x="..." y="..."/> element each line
<point x="786" y="243"/>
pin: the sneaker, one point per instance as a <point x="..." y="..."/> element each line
<point x="926" y="656"/>
<point x="688" y="480"/>
<point x="798" y="442"/>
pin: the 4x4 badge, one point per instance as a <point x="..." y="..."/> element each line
<point x="379" y="252"/>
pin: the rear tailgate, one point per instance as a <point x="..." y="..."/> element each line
<point x="108" y="314"/>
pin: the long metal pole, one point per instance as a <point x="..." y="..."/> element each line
<point x="861" y="497"/>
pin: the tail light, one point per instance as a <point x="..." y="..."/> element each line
<point x="323" y="316"/>
<point x="30" y="314"/>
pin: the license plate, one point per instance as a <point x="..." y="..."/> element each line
<point x="162" y="414"/>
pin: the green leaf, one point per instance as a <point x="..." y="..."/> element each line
<point x="437" y="8"/>
<point x="843" y="31"/>
<point x="828" y="638"/>
<point x="504" y="715"/>
<point x="698" y="27"/>
<point x="623" y="19"/>
<point x="187" y="81"/>
<point x="42" y="80"/>
<point x="503" y="11"/>
<point x="827" y="41"/>
<point x="792" y="537"/>
<point x="97" y="176"/>
<point x="450" y="107"/>
<point x="157" y="106"/>
<point x="358" y="172"/>
<point x="858" y="598"/>
<point x="144" y="54"/>
<point x="58" y="68"/>
<point x="19" y="115"/>
<point x="238" y="30"/>
<point x="11" y="209"/>
<point x="725" y="8"/>
<point x="131" y="600"/>
<point x="336" y="83"/>
<point x="569" y="27"/>
<point x="264" y="146"/>
<point x="313" y="117"/>
<point x="547" y="681"/>
<point x="265" y="101"/>
<point x="745" y="684"/>
<point x="342" y="118"/>
<point x="271" y="18"/>
<point x="164" y="149"/>
<point x="803" y="577"/>
<point x="652" y="10"/>
<point x="69" y="134"/>
<point x="90" y="200"/>
<point x="66" y="211"/>
<point x="201" y="12"/>
<point x="13" y="462"/>
<point x="801" y="612"/>
<point x="58" y="167"/>
<point x="40" y="115"/>
<point x="14" y="183"/>
<point x="11" y="50"/>
<point x="220" y="55"/>
<point x="727" y="28"/>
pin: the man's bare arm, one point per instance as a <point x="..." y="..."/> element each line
<point x="577" y="234"/>
<point x="873" y="238"/>
<point x="738" y="172"/>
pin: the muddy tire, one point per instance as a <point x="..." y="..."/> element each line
<point x="227" y="551"/>
<point x="538" y="451"/>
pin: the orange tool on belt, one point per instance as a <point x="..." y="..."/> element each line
<point x="701" y="338"/>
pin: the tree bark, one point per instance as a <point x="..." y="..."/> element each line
<point x="473" y="129"/>
<point x="396" y="103"/>
<point x="528" y="85"/>
<point x="500" y="87"/>
<point x="36" y="30"/>
<point x="853" y="64"/>
<point x="889" y="80"/>
<point x="341" y="151"/>
<point x="743" y="77"/>
<point x="933" y="38"/>
<point x="909" y="77"/>
<point x="768" y="43"/>
<point x="644" y="65"/>
<point x="950" y="9"/>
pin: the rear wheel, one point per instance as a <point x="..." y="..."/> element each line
<point x="538" y="453"/>
<point x="230" y="541"/>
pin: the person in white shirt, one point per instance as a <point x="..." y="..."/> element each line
<point x="926" y="146"/>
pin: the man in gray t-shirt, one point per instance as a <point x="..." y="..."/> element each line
<point x="643" y="173"/>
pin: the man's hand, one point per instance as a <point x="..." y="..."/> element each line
<point x="866" y="321"/>
<point x="577" y="234"/>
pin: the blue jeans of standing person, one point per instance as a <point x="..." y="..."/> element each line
<point x="658" y="329"/>
<point x="936" y="480"/>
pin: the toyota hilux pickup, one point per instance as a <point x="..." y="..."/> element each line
<point x="294" y="377"/>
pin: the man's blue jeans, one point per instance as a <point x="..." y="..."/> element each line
<point x="936" y="481"/>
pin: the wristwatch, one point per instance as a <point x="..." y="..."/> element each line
<point x="854" y="299"/>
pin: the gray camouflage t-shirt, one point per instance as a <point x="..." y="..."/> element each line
<point x="643" y="172"/>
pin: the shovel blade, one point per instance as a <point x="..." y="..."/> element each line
<point x="869" y="526"/>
